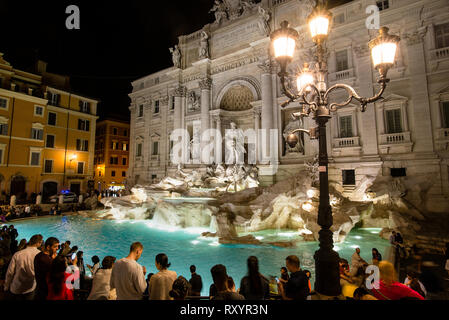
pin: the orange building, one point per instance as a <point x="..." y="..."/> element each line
<point x="111" y="154"/>
<point x="47" y="134"/>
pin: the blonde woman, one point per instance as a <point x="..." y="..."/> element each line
<point x="390" y="288"/>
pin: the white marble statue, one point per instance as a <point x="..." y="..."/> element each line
<point x="263" y="23"/>
<point x="193" y="102"/>
<point x="204" y="46"/>
<point x="176" y="56"/>
<point x="234" y="143"/>
<point x="220" y="11"/>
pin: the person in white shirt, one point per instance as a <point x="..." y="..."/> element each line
<point x="356" y="262"/>
<point x="20" y="278"/>
<point x="101" y="288"/>
<point x="161" y="283"/>
<point x="93" y="269"/>
<point x="412" y="281"/>
<point x="128" y="277"/>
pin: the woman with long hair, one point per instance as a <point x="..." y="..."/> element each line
<point x="58" y="284"/>
<point x="377" y="257"/>
<point x="180" y="288"/>
<point x="254" y="286"/>
<point x="162" y="282"/>
<point x="388" y="288"/>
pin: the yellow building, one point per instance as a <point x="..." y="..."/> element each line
<point x="47" y="134"/>
<point x="111" y="154"/>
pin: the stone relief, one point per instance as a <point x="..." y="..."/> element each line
<point x="204" y="46"/>
<point x="264" y="19"/>
<point x="220" y="10"/>
<point x="176" y="56"/>
<point x="225" y="10"/>
<point x="193" y="102"/>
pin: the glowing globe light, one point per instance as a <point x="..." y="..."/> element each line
<point x="304" y="80"/>
<point x="284" y="47"/>
<point x="383" y="50"/>
<point x="319" y="26"/>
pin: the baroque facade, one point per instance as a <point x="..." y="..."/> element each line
<point x="224" y="73"/>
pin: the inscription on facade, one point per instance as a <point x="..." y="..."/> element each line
<point x="228" y="41"/>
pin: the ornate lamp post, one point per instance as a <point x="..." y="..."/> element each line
<point x="313" y="96"/>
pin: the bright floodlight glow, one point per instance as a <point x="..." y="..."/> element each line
<point x="214" y="244"/>
<point x="307" y="206"/>
<point x="384" y="53"/>
<point x="259" y="238"/>
<point x="304" y="80"/>
<point x="310" y="193"/>
<point x="319" y="26"/>
<point x="284" y="46"/>
<point x="195" y="242"/>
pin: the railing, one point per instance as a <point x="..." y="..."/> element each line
<point x="277" y="2"/>
<point x="441" y="53"/>
<point x="341" y="75"/>
<point x="346" y="142"/>
<point x="444" y="133"/>
<point x="393" y="138"/>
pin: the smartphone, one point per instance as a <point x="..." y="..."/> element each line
<point x="73" y="256"/>
<point x="277" y="280"/>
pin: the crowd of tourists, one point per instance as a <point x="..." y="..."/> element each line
<point x="47" y="270"/>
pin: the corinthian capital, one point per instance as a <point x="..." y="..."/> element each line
<point x="416" y="36"/>
<point x="266" y="66"/>
<point x="361" y="50"/>
<point x="180" y="91"/>
<point x="206" y="84"/>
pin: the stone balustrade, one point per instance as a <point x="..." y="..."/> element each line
<point x="395" y="138"/>
<point x="439" y="54"/>
<point x="346" y="142"/>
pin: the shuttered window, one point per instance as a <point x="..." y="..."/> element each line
<point x="346" y="127"/>
<point x="394" y="123"/>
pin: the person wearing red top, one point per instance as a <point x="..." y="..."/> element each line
<point x="57" y="281"/>
<point x="389" y="288"/>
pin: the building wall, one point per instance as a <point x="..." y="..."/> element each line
<point x="239" y="59"/>
<point x="18" y="144"/>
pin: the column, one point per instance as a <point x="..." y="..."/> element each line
<point x="218" y="142"/>
<point x="422" y="124"/>
<point x="267" y="104"/>
<point x="179" y="93"/>
<point x="205" y="86"/>
<point x="256" y="128"/>
<point x="368" y="131"/>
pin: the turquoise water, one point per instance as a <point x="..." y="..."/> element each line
<point x="186" y="247"/>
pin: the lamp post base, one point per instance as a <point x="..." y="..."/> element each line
<point x="327" y="280"/>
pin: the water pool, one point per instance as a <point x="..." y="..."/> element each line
<point x="186" y="247"/>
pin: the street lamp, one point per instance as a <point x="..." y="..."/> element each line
<point x="313" y="97"/>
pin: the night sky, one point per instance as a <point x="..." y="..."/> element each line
<point x="118" y="41"/>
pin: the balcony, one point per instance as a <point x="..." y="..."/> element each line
<point x="345" y="76"/>
<point x="440" y="54"/>
<point x="442" y="140"/>
<point x="395" y="143"/>
<point x="346" y="146"/>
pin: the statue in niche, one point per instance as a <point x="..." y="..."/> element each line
<point x="234" y="143"/>
<point x="176" y="56"/>
<point x="263" y="23"/>
<point x="220" y="11"/>
<point x="234" y="8"/>
<point x="204" y="45"/>
<point x="293" y="125"/>
<point x="193" y="102"/>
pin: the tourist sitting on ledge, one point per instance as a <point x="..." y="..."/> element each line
<point x="377" y="257"/>
<point x="101" y="288"/>
<point x="57" y="282"/>
<point x="345" y="276"/>
<point x="412" y="281"/>
<point x="388" y="286"/>
<point x="284" y="275"/>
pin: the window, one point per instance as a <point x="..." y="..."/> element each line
<point x="442" y="35"/>
<point x="82" y="145"/>
<point x="153" y="176"/>
<point x="112" y="173"/>
<point x="48" y="166"/>
<point x="3" y="103"/>
<point x="114" y="145"/>
<point x="123" y="173"/>
<point x="140" y="115"/>
<point x="53" y="98"/>
<point x="125" y="132"/>
<point x="35" y="158"/>
<point x="38" y="111"/>
<point x="113" y="160"/>
<point x="124" y="161"/>
<point x="114" y="131"/>
<point x="1" y="156"/>
<point x="346" y="127"/>
<point x="80" y="167"/>
<point x="155" y="148"/>
<point x="4" y="129"/>
<point x="348" y="177"/>
<point x="394" y="124"/>
<point x="52" y="118"/>
<point x="156" y="106"/>
<point x="342" y="60"/>
<point x="83" y="125"/>
<point x="398" y="172"/>
<point x="84" y="106"/>
<point x="139" y="150"/>
<point x="125" y="146"/>
<point x="50" y="143"/>
<point x="445" y="111"/>
<point x="382" y="4"/>
<point x="37" y="134"/>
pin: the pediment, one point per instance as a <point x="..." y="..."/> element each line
<point x="394" y="97"/>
